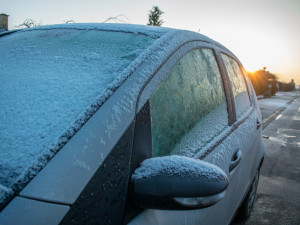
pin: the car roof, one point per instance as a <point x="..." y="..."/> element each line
<point x="127" y="28"/>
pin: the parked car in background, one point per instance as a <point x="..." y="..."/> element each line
<point x="124" y="124"/>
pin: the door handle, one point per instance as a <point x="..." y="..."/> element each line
<point x="235" y="160"/>
<point x="258" y="124"/>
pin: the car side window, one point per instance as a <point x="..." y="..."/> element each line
<point x="188" y="109"/>
<point x="238" y="84"/>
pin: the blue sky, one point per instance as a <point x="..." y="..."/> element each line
<point x="260" y="32"/>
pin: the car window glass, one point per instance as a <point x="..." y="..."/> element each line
<point x="239" y="88"/>
<point x="52" y="81"/>
<point x="188" y="109"/>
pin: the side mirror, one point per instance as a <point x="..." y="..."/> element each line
<point x="177" y="182"/>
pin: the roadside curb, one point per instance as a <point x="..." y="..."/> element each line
<point x="271" y="117"/>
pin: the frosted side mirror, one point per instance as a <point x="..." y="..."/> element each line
<point x="177" y="182"/>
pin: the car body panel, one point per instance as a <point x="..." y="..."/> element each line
<point x="85" y="152"/>
<point x="26" y="211"/>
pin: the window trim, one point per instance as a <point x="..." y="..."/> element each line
<point x="222" y="51"/>
<point x="227" y="84"/>
<point x="247" y="80"/>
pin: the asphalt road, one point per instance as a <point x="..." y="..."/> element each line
<point x="278" y="196"/>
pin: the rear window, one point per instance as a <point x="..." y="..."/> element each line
<point x="51" y="82"/>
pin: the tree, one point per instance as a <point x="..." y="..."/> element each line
<point x="264" y="82"/>
<point x="292" y="85"/>
<point x="154" y="17"/>
<point x="28" y="23"/>
<point x="283" y="86"/>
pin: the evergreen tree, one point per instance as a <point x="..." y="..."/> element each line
<point x="154" y="17"/>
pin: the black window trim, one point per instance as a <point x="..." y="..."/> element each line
<point x="227" y="84"/>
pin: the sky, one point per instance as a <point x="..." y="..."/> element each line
<point x="261" y="33"/>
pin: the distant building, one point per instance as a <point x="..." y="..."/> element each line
<point x="3" y="22"/>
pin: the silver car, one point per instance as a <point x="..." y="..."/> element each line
<point x="125" y="124"/>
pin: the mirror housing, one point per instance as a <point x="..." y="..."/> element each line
<point x="177" y="182"/>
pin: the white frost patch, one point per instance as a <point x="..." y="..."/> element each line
<point x="281" y="141"/>
<point x="283" y="136"/>
<point x="180" y="166"/>
<point x="296" y="118"/>
<point x="288" y="133"/>
<point x="102" y="157"/>
<point x="81" y="164"/>
<point x="203" y="132"/>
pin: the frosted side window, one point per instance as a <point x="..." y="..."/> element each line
<point x="239" y="88"/>
<point x="188" y="109"/>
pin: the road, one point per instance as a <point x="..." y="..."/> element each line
<point x="272" y="107"/>
<point x="278" y="196"/>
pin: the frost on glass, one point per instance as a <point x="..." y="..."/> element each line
<point x="188" y="109"/>
<point x="48" y="80"/>
<point x="241" y="97"/>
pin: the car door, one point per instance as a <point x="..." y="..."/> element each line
<point x="247" y="123"/>
<point x="189" y="113"/>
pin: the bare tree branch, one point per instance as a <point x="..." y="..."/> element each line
<point x="119" y="18"/>
<point x="28" y="23"/>
<point x="69" y="21"/>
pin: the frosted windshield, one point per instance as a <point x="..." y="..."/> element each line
<point x="48" y="80"/>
